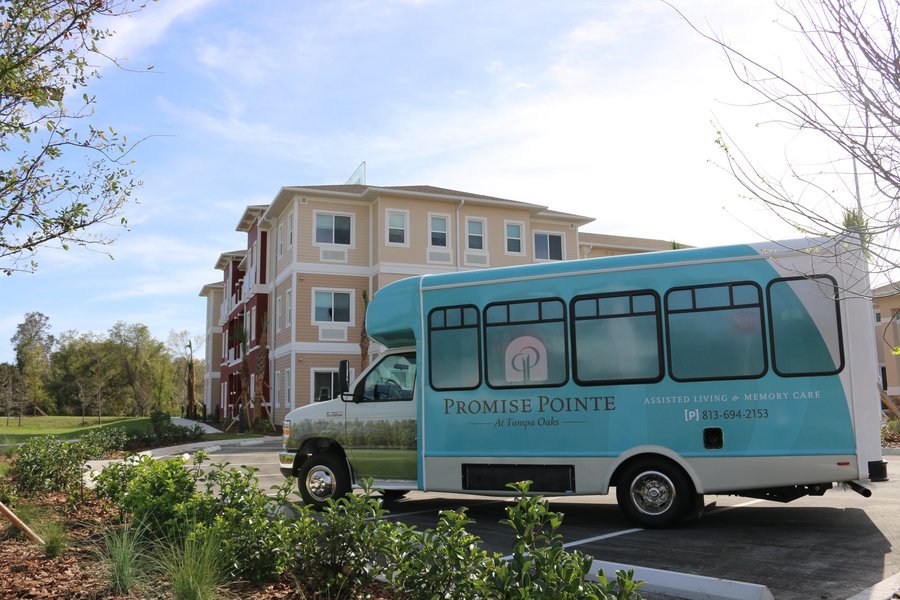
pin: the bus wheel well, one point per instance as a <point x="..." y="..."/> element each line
<point x="659" y="458"/>
<point x="318" y="446"/>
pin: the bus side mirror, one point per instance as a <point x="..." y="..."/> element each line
<point x="343" y="377"/>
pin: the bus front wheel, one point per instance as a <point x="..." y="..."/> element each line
<point x="322" y="477"/>
<point x="654" y="493"/>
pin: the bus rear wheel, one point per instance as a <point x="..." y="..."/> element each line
<point x="322" y="477"/>
<point x="654" y="494"/>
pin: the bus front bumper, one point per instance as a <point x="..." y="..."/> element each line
<point x="286" y="462"/>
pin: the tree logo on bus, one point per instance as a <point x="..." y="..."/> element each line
<point x="526" y="360"/>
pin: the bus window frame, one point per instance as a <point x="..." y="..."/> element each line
<point x="565" y="329"/>
<point x="764" y="346"/>
<point x="838" y="322"/>
<point x="630" y="294"/>
<point x="478" y="344"/>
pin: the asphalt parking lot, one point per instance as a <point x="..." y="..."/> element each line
<point x="829" y="547"/>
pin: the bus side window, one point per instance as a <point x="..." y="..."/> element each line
<point x="454" y="348"/>
<point x="805" y="326"/>
<point x="715" y="332"/>
<point x="616" y="338"/>
<point x="526" y="344"/>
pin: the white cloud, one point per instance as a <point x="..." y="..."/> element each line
<point x="134" y="33"/>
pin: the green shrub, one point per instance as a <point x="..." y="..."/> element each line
<point x="446" y="562"/>
<point x="157" y="492"/>
<point x="48" y="464"/>
<point x="347" y="550"/>
<point x="541" y="567"/>
<point x="100" y="443"/>
<point x="257" y="542"/>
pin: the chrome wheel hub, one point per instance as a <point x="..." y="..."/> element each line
<point x="652" y="493"/>
<point x="320" y="483"/>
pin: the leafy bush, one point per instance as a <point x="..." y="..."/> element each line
<point x="100" y="443"/>
<point x="164" y="432"/>
<point x="347" y="550"/>
<point x="256" y="543"/>
<point x="541" y="567"/>
<point x="445" y="562"/>
<point x="48" y="464"/>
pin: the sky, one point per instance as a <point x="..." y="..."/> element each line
<point x="599" y="108"/>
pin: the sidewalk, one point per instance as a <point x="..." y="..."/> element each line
<point x="189" y="423"/>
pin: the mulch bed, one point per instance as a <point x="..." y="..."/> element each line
<point x="26" y="573"/>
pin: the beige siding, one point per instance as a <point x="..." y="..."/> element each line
<point x="357" y="252"/>
<point x="307" y="331"/>
<point x="283" y="333"/>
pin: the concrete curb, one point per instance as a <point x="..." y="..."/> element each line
<point x="685" y="585"/>
<point x="883" y="590"/>
<point x="890" y="451"/>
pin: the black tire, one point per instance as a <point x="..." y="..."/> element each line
<point x="322" y="477"/>
<point x="655" y="493"/>
<point x="392" y="495"/>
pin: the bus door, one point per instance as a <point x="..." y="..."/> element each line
<point x="380" y="422"/>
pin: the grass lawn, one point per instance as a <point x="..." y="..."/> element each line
<point x="64" y="427"/>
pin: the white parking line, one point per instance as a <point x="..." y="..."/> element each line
<point x="605" y="536"/>
<point x="741" y="505"/>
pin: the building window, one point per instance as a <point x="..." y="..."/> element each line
<point x="715" y="332"/>
<point x="397" y="227"/>
<point x="291" y="230"/>
<point x="438" y="230"/>
<point x="253" y="324"/>
<point x="454" y="348"/>
<point x="475" y="234"/>
<point x="331" y="306"/>
<point x="288" y="397"/>
<point x="277" y="389"/>
<point x="280" y="241"/>
<point x="279" y="323"/>
<point x="514" y="238"/>
<point x="288" y="307"/>
<point x="325" y="385"/>
<point x="548" y="246"/>
<point x="333" y="229"/>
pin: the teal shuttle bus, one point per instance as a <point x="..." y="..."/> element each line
<point x="745" y="369"/>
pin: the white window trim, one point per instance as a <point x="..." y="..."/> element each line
<point x="277" y="387"/>
<point x="288" y="306"/>
<point x="252" y="324"/>
<point x="448" y="233"/>
<point x="334" y="213"/>
<point x="288" y="389"/>
<point x="313" y="395"/>
<point x="279" y="243"/>
<point x="522" y="237"/>
<point x="561" y="234"/>
<point x="291" y="230"/>
<point x="484" y="240"/>
<point x="279" y="322"/>
<point x="312" y="316"/>
<point x="387" y="227"/>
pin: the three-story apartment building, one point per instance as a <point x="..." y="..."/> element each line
<point x="317" y="249"/>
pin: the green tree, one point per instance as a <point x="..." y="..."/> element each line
<point x="139" y="357"/>
<point x="33" y="345"/>
<point x="65" y="175"/>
